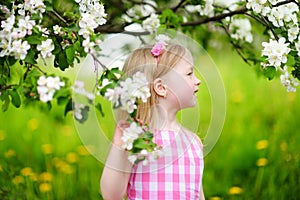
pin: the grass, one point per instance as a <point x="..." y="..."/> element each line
<point x="256" y="156"/>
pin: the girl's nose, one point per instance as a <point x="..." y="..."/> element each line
<point x="197" y="81"/>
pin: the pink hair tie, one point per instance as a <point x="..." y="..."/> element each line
<point x="158" y="49"/>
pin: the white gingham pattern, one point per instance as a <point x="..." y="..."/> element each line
<point x="176" y="175"/>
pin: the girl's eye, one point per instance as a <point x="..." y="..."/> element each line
<point x="190" y="73"/>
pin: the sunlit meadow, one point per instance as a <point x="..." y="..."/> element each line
<point x="256" y="156"/>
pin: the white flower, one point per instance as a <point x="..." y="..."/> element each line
<point x="47" y="87"/>
<point x="293" y="33"/>
<point x="288" y="81"/>
<point x="54" y="83"/>
<point x="132" y="158"/>
<point x="154" y="155"/>
<point x="8" y="24"/>
<point x="92" y="15"/>
<point x="46" y="48"/>
<point x="57" y="29"/>
<point x="88" y="45"/>
<point x="78" y="110"/>
<point x="276" y="52"/>
<point x="113" y="95"/>
<point x="207" y="9"/>
<point x="141" y="90"/>
<point x="151" y="23"/>
<point x="256" y="5"/>
<point x="130" y="134"/>
<point x="297" y="44"/>
<point x="162" y="37"/>
<point x="19" y="49"/>
<point x="78" y="88"/>
<point x="192" y="8"/>
<point x="26" y="23"/>
<point x="241" y="29"/>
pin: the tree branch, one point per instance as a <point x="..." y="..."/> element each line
<point x="286" y="2"/>
<point x="215" y="18"/>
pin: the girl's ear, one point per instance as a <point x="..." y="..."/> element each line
<point x="159" y="88"/>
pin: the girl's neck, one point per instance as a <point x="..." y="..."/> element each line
<point x="165" y="119"/>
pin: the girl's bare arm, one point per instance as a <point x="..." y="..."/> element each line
<point x="116" y="172"/>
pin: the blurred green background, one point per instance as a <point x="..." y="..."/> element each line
<point x="256" y="156"/>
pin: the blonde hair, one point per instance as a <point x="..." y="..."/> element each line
<point x="142" y="60"/>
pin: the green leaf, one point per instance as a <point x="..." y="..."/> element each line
<point x="15" y="98"/>
<point x="269" y="72"/>
<point x="69" y="106"/>
<point x="70" y="52"/>
<point x="62" y="100"/>
<point x="139" y="144"/>
<point x="30" y="57"/>
<point x="62" y="92"/>
<point x="61" y="61"/>
<point x="11" y="60"/>
<point x="99" y="108"/>
<point x="34" y="39"/>
<point x="49" y="6"/>
<point x="290" y="60"/>
<point x="148" y="135"/>
<point x="103" y="90"/>
<point x="6" y="102"/>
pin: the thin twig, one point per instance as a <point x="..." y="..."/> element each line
<point x="257" y="19"/>
<point x="236" y="47"/>
<point x="271" y="29"/>
<point x="6" y="87"/>
<point x="60" y="17"/>
<point x="98" y="61"/>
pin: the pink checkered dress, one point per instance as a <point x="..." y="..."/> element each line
<point x="175" y="175"/>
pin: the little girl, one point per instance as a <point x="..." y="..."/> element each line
<point x="177" y="174"/>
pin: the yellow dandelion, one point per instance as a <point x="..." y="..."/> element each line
<point x="33" y="124"/>
<point x="33" y="177"/>
<point x="291" y="96"/>
<point x="67" y="169"/>
<point x="18" y="180"/>
<point x="262" y="162"/>
<point x="215" y="198"/>
<point x="1" y="169"/>
<point x="27" y="171"/>
<point x="45" y="187"/>
<point x="283" y="146"/>
<point x="2" y="135"/>
<point x="45" y="177"/>
<point x="235" y="190"/>
<point x="10" y="153"/>
<point x="237" y="96"/>
<point x="47" y="149"/>
<point x="82" y="150"/>
<point x="67" y="130"/>
<point x="72" y="157"/>
<point x="262" y="144"/>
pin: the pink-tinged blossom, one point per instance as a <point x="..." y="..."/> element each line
<point x="158" y="49"/>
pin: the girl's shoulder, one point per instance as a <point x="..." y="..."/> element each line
<point x="193" y="135"/>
